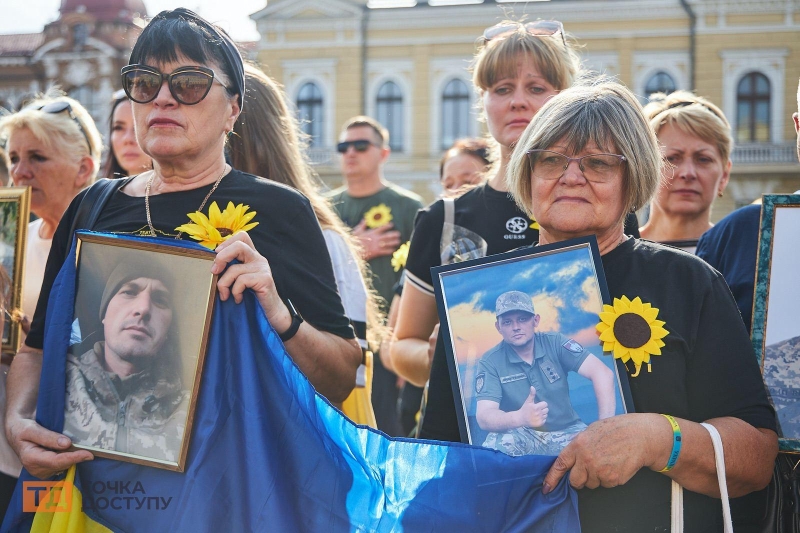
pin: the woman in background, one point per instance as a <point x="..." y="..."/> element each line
<point x="696" y="142"/>
<point x="54" y="148"/>
<point x="125" y="157"/>
<point x="465" y="163"/>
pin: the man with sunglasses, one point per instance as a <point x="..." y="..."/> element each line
<point x="382" y="217"/>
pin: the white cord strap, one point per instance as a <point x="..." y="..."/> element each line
<point x="677" y="490"/>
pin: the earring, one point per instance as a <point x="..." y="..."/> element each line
<point x="720" y="193"/>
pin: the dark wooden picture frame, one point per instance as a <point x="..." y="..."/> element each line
<point x="141" y="320"/>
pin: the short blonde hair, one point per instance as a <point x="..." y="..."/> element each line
<point x="604" y="113"/>
<point x="58" y="131"/>
<point x="692" y="115"/>
<point x="497" y="59"/>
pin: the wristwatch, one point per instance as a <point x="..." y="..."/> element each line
<point x="296" y="321"/>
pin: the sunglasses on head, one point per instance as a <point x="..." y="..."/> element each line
<point x="362" y="145"/>
<point x="544" y="28"/>
<point x="188" y="85"/>
<point x="60" y="106"/>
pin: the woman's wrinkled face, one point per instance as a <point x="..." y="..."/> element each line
<point x="572" y="206"/>
<point x="123" y="141"/>
<point x="462" y="169"/>
<point x="696" y="173"/>
<point x="169" y="131"/>
<point x="511" y="103"/>
<point x="54" y="178"/>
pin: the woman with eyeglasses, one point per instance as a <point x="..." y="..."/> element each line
<point x="516" y="70"/>
<point x="585" y="161"/>
<point x="696" y="141"/>
<point x="54" y="148"/>
<point x="186" y="82"/>
<point x="124" y="158"/>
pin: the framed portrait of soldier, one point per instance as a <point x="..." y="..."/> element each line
<point x="776" y="329"/>
<point x="14" y="213"/>
<point x="137" y="345"/>
<point x="526" y="362"/>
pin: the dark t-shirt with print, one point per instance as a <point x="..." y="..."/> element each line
<point x="706" y="369"/>
<point x="403" y="205"/>
<point x="288" y="236"/>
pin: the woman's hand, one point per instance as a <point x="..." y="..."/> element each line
<point x="608" y="453"/>
<point x="44" y="453"/>
<point x="252" y="272"/>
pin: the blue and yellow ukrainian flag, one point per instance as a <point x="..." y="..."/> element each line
<point x="269" y="454"/>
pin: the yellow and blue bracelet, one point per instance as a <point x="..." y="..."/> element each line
<point x="676" y="443"/>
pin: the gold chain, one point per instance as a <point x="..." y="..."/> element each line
<point x="153" y="231"/>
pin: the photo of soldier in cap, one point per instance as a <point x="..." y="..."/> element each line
<point x="521" y="385"/>
<point x="131" y="368"/>
<point x="520" y="333"/>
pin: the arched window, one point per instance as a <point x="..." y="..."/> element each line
<point x="309" y="109"/>
<point x="660" y="82"/>
<point x="389" y="111"/>
<point x="455" y="112"/>
<point x="752" y="108"/>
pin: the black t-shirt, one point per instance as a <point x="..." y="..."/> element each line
<point x="490" y="214"/>
<point x="288" y="235"/>
<point x="707" y="369"/>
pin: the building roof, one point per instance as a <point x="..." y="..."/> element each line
<point x="20" y="44"/>
<point x="106" y="10"/>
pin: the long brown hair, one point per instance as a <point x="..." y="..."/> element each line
<point x="267" y="141"/>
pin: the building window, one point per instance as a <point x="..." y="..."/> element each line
<point x="753" y="108"/>
<point x="389" y="111"/>
<point x="455" y="112"/>
<point x="309" y="109"/>
<point x="660" y="82"/>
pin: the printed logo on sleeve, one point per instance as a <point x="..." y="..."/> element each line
<point x="480" y="379"/>
<point x="573" y="346"/>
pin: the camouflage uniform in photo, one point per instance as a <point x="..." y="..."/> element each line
<point x="782" y="376"/>
<point x="142" y="414"/>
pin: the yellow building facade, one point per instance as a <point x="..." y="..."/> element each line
<point x="408" y="67"/>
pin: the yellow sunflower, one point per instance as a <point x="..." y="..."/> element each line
<point x="400" y="256"/>
<point x="378" y="216"/>
<point x="630" y="330"/>
<point x="218" y="226"/>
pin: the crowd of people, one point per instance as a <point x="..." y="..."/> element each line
<point x="344" y="273"/>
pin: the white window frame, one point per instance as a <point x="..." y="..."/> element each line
<point x="442" y="71"/>
<point x="321" y="72"/>
<point x="401" y="73"/>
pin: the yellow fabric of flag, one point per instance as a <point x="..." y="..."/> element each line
<point x="70" y="520"/>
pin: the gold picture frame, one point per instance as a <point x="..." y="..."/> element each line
<point x="15" y="205"/>
<point x="137" y="347"/>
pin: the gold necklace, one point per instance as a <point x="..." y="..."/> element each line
<point x="202" y="205"/>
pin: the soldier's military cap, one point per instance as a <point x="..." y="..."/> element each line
<point x="514" y="301"/>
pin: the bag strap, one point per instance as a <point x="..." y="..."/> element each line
<point x="449" y="218"/>
<point x="93" y="201"/>
<point x="677" y="490"/>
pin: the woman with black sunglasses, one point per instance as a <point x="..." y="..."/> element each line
<point x="186" y="81"/>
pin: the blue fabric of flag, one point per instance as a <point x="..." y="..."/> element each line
<point x="269" y="454"/>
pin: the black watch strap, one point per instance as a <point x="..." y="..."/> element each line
<point x="296" y="321"/>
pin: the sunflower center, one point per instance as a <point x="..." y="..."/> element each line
<point x="224" y="232"/>
<point x="631" y="330"/>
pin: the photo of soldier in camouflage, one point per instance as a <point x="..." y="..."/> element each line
<point x="521" y="384"/>
<point x="125" y="392"/>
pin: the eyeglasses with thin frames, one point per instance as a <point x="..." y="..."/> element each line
<point x="539" y="28"/>
<point x="597" y="168"/>
<point x="188" y="85"/>
<point x="59" y="106"/>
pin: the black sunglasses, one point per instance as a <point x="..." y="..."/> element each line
<point x="361" y="145"/>
<point x="60" y="106"/>
<point x="188" y="85"/>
